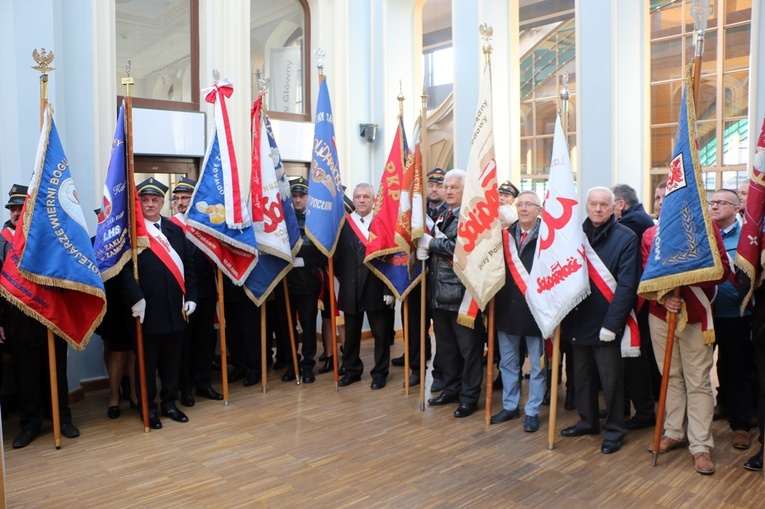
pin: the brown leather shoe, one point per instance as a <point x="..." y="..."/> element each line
<point x="667" y="444"/>
<point x="741" y="439"/>
<point x="704" y="463"/>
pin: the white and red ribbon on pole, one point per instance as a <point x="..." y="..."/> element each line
<point x="237" y="215"/>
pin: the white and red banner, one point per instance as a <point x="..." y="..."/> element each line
<point x="558" y="280"/>
<point x="478" y="254"/>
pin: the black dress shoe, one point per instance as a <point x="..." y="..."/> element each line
<point x="209" y="393"/>
<point x="237" y="374"/>
<point x="465" y="409"/>
<point x="398" y="361"/>
<point x="573" y="431"/>
<point x="113" y="412"/>
<point x="187" y="399"/>
<point x="610" y="446"/>
<point x="414" y="380"/>
<point x="308" y="376"/>
<point x="639" y="423"/>
<point x="252" y="378"/>
<point x="348" y="380"/>
<point x="754" y="463"/>
<point x="328" y="365"/>
<point x="154" y="422"/>
<point x="70" y="431"/>
<point x="341" y="371"/>
<point x="175" y="414"/>
<point x="570" y="403"/>
<point x="24" y="438"/>
<point x="289" y="376"/>
<point x="444" y="399"/>
<point x="505" y="415"/>
<point x="378" y="383"/>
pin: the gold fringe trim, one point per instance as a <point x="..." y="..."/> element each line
<point x="267" y="293"/>
<point x="747" y="268"/>
<point x="490" y="292"/>
<point x="327" y="252"/>
<point x="709" y="337"/>
<point x="376" y="272"/>
<point x="466" y="320"/>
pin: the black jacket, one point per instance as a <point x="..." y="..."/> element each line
<point x="164" y="298"/>
<point x="445" y="289"/>
<point x="617" y="247"/>
<point x="360" y="289"/>
<point x="636" y="219"/>
<point x="306" y="280"/>
<point x="512" y="313"/>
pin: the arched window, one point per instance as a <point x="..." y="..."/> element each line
<point x="280" y="51"/>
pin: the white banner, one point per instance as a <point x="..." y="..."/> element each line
<point x="285" y="74"/>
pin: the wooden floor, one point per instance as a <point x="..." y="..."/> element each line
<point x="309" y="446"/>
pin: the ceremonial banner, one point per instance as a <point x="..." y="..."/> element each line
<point x="389" y="244"/>
<point x="325" y="211"/>
<point x="277" y="234"/>
<point x="558" y="280"/>
<point x="478" y="252"/>
<point x="231" y="245"/>
<point x="51" y="273"/>
<point x="684" y="251"/>
<point x="750" y="257"/>
<point x="112" y="242"/>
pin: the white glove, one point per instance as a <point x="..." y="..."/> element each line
<point x="423" y="246"/>
<point x="607" y="335"/>
<point x="189" y="307"/>
<point x="139" y="309"/>
<point x="759" y="159"/>
<point x="389" y="300"/>
<point x="298" y="262"/>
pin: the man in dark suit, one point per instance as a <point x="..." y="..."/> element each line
<point x="597" y="324"/>
<point x="640" y="373"/>
<point x="460" y="348"/>
<point x="166" y="296"/>
<point x="362" y="292"/>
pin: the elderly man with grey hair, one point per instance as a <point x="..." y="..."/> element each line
<point x="597" y="324"/>
<point x="459" y="348"/>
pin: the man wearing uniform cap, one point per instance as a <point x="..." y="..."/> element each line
<point x="507" y="193"/>
<point x="304" y="283"/>
<point x="166" y="296"/>
<point x="200" y="337"/>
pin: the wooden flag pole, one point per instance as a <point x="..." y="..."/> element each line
<point x="699" y="11"/>
<point x="43" y="60"/>
<point x="405" y="307"/>
<point x="290" y="325"/>
<point x="554" y="389"/>
<point x="490" y="362"/>
<point x="128" y="82"/>
<point x="424" y="334"/>
<point x="222" y="335"/>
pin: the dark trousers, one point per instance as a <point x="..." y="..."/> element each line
<point x="568" y="350"/>
<point x="32" y="376"/>
<point x="637" y="373"/>
<point x="305" y="308"/>
<point x="379" y="323"/>
<point x="759" y="358"/>
<point x="413" y="303"/>
<point x="735" y="369"/>
<point x="198" y="347"/>
<point x="161" y="353"/>
<point x="602" y="362"/>
<point x="243" y="335"/>
<point x="277" y="325"/>
<point x="460" y="350"/>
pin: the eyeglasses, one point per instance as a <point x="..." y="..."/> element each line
<point x="720" y="203"/>
<point x="525" y="204"/>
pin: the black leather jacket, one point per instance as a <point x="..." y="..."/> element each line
<point x="445" y="289"/>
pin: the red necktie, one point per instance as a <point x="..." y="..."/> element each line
<point x="523" y="237"/>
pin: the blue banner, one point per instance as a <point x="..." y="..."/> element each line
<point x="233" y="250"/>
<point x="112" y="242"/>
<point x="325" y="211"/>
<point x="684" y="251"/>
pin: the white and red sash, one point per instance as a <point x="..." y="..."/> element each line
<point x="161" y="247"/>
<point x="606" y="285"/>
<point x="180" y="220"/>
<point x="517" y="270"/>
<point x="361" y="233"/>
<point x="7" y="234"/>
